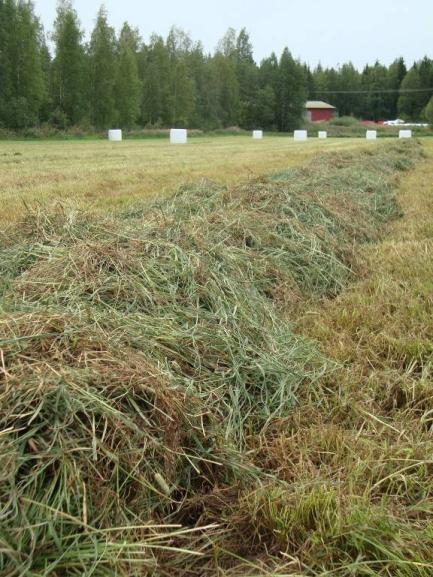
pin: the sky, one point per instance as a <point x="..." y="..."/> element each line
<point x="327" y="31"/>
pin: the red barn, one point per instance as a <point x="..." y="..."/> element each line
<point x="318" y="111"/>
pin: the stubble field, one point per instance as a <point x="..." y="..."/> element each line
<point x="102" y="175"/>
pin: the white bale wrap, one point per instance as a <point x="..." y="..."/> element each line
<point x="257" y="134"/>
<point x="178" y="136"/>
<point x="115" y="135"/>
<point x="405" y="134"/>
<point x="323" y="134"/>
<point x="300" y="135"/>
<point x="371" y="135"/>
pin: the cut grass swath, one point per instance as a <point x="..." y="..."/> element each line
<point x="141" y="352"/>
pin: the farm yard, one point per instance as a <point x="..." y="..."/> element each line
<point x="233" y="377"/>
<point x="104" y="175"/>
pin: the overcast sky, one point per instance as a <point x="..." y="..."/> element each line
<point x="329" y="31"/>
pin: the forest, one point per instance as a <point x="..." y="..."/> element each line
<point x="59" y="79"/>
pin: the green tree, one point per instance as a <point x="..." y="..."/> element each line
<point x="7" y="22"/>
<point x="266" y="96"/>
<point x="428" y="112"/>
<point x="291" y="93"/>
<point x="247" y="75"/>
<point x="68" y="65"/>
<point x="269" y="71"/>
<point x="350" y="103"/>
<point x="396" y="72"/>
<point x="227" y="44"/>
<point x="154" y="70"/>
<point x="128" y="85"/>
<point x="46" y="65"/>
<point x="182" y="94"/>
<point x="265" y="108"/>
<point x="102" y="61"/>
<point x="22" y="51"/>
<point x="173" y="82"/>
<point x="182" y="89"/>
<point x="425" y="69"/>
<point x="179" y="43"/>
<point x="206" y="94"/>
<point x="309" y="82"/>
<point x="224" y="73"/>
<point x="411" y="101"/>
<point x="333" y="85"/>
<point x="375" y="82"/>
<point x="327" y="82"/>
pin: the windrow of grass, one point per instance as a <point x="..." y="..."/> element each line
<point x="357" y="456"/>
<point x="140" y="354"/>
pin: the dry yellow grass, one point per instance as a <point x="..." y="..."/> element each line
<point x="357" y="452"/>
<point x="101" y="175"/>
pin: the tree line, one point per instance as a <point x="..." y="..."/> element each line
<point x="120" y="80"/>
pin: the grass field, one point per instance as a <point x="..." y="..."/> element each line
<point x="235" y="381"/>
<point x="100" y="175"/>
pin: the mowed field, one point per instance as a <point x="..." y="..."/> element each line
<point x="236" y="383"/>
<point x="100" y="174"/>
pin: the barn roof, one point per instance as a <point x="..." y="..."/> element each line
<point x="318" y="104"/>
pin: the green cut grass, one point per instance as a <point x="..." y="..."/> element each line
<point x="148" y="357"/>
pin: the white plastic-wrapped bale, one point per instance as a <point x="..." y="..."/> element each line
<point x="115" y="135"/>
<point x="371" y="135"/>
<point x="405" y="134"/>
<point x="300" y="135"/>
<point x="257" y="134"/>
<point x="323" y="134"/>
<point x="178" y="136"/>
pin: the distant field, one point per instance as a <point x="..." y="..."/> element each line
<point x="101" y="175"/>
